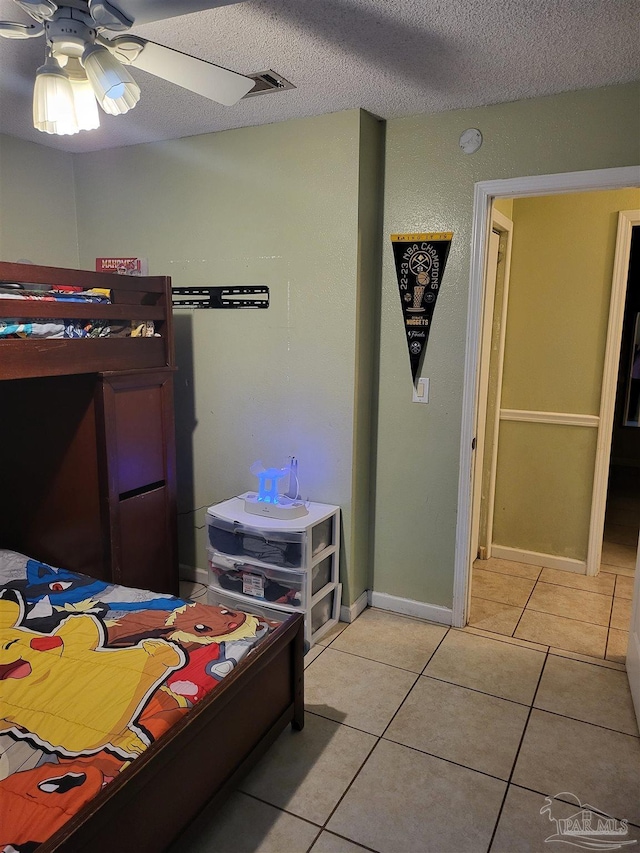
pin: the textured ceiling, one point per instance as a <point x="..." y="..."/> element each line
<point x="391" y="57"/>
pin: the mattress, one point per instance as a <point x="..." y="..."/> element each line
<point x="91" y="674"/>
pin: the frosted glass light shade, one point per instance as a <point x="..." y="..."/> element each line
<point x="115" y="89"/>
<point x="86" y="106"/>
<point x="122" y="105"/>
<point x="53" y="105"/>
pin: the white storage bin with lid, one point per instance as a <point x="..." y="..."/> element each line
<point x="286" y="565"/>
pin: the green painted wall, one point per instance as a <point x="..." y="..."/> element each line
<point x="429" y="187"/>
<point x="37" y="204"/>
<point x="370" y="183"/>
<point x="275" y="205"/>
<point x="281" y="204"/>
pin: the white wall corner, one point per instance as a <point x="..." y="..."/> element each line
<point x="349" y="613"/>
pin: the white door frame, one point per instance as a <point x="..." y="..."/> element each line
<point x="504" y="225"/>
<point x="484" y="194"/>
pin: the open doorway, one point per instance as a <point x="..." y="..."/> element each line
<point x="622" y="517"/>
<point x="538" y="443"/>
<point x="564" y="577"/>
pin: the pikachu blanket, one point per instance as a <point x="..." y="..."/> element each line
<point x="90" y="675"/>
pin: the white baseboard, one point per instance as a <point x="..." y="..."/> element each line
<point x="193" y="574"/>
<point x="533" y="558"/>
<point x="348" y="613"/>
<point x="409" y="607"/>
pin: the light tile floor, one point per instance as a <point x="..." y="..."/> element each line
<point x="589" y="616"/>
<point x="420" y="738"/>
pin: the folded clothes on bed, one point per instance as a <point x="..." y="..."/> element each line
<point x="95" y="295"/>
<point x="30" y="329"/>
<point x="15" y="328"/>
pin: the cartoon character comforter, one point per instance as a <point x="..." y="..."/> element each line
<point x="90" y="675"/>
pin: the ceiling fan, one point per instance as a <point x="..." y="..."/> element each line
<point x="83" y="67"/>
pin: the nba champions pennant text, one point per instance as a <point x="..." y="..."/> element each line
<point x="420" y="261"/>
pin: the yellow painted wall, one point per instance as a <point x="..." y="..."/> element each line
<point x="504" y="206"/>
<point x="561" y="268"/>
<point x="543" y="488"/>
<point x="559" y="293"/>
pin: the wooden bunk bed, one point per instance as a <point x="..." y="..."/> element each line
<point x="88" y="467"/>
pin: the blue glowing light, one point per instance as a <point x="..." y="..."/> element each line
<point x="268" y="485"/>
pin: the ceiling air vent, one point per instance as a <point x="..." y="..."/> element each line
<point x="268" y="81"/>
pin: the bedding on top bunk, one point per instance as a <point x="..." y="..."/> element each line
<point x="15" y="327"/>
<point x="90" y="675"/>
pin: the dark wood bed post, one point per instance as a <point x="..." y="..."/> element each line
<point x="298" y="680"/>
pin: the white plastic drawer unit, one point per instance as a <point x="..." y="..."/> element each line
<point x="322" y="574"/>
<point x="276" y="586"/>
<point x="221" y="599"/>
<point x="325" y="612"/>
<point x="279" y="547"/>
<point x="276" y="566"/>
<point x="288" y="544"/>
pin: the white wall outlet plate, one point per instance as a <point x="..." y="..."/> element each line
<point x="421" y="390"/>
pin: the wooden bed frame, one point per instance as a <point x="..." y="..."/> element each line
<point x="200" y="760"/>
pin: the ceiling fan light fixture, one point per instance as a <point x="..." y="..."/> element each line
<point x="84" y="100"/>
<point x="53" y="103"/>
<point x="115" y="89"/>
<point x="120" y="106"/>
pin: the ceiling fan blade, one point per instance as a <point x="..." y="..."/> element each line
<point x="40" y="10"/>
<point x="12" y="30"/>
<point x="145" y="11"/>
<point x="212" y="81"/>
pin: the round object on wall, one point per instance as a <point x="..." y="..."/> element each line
<point x="470" y="140"/>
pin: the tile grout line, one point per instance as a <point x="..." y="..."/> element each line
<point x="446" y="760"/>
<point x="382" y="663"/>
<point x="517" y="755"/>
<point x="533" y="588"/>
<point x="505" y="638"/>
<point x="568" y="802"/>
<point x="586" y="722"/>
<point x="419" y="676"/>
<point x="475" y="689"/>
<point x="506" y="574"/>
<point x="606" y="644"/>
<point x="576" y="588"/>
<point x="379" y="737"/>
<point x="570" y="618"/>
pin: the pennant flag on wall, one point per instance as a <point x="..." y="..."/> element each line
<point x="420" y="261"/>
